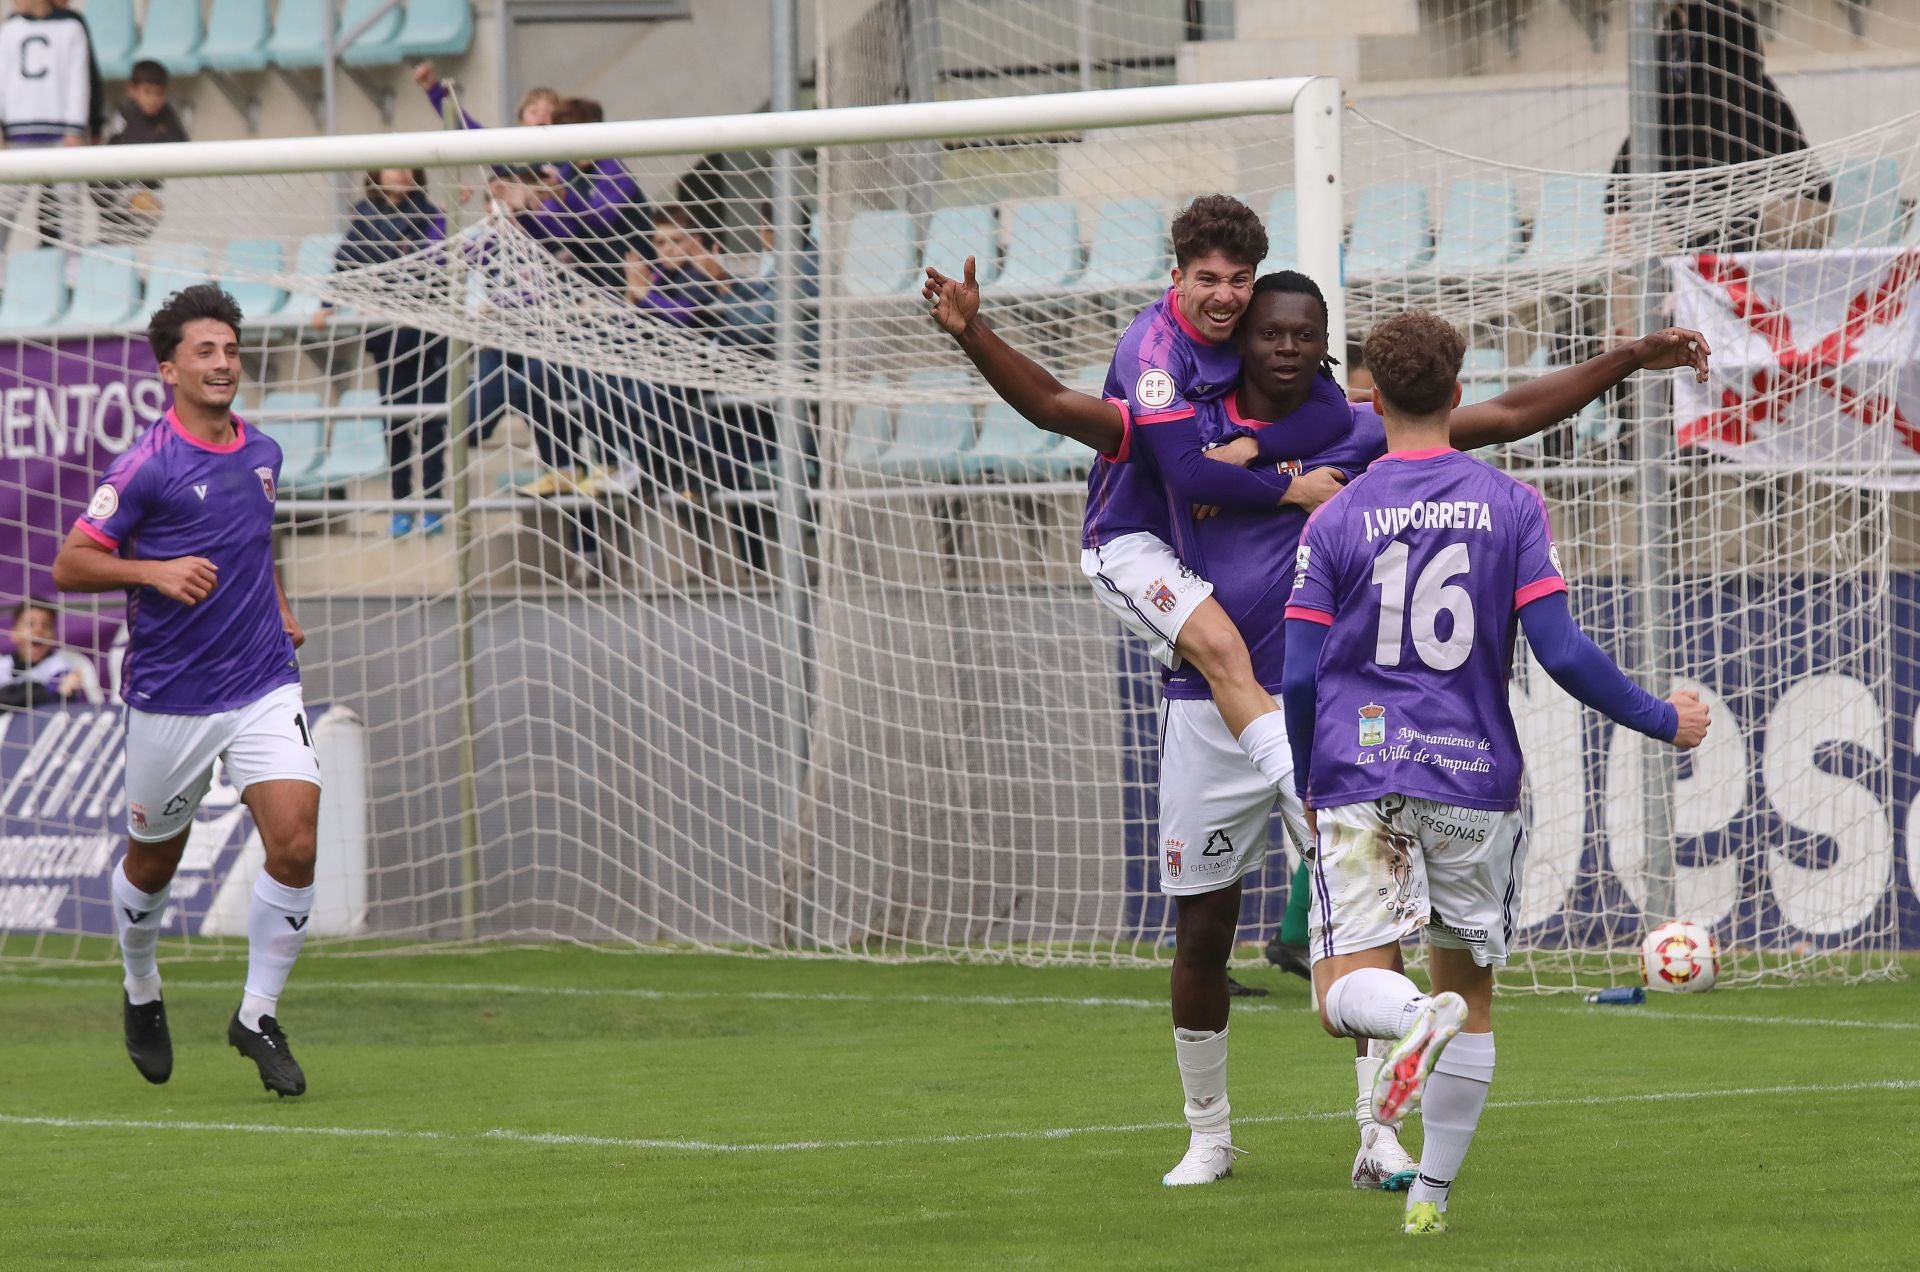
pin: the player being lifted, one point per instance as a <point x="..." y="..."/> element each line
<point x="183" y="521"/>
<point x="1399" y="634"/>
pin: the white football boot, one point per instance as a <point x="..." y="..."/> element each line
<point x="1403" y="1074"/>
<point x="1382" y="1163"/>
<point x="1209" y="1157"/>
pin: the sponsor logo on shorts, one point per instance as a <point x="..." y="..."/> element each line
<point x="106" y="502"/>
<point x="266" y="481"/>
<point x="177" y="805"/>
<point x="1476" y="935"/>
<point x="1161" y="597"/>
<point x="137" y="814"/>
<point x="1468" y="825"/>
<point x="1373" y="722"/>
<point x="1154" y="389"/>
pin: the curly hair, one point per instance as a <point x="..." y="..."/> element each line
<point x="1291" y="282"/>
<point x="1415" y="359"/>
<point x="1218" y="223"/>
<point x="189" y="304"/>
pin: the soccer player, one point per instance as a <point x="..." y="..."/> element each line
<point x="183" y="521"/>
<point x="1214" y="808"/>
<point x="1399" y="647"/>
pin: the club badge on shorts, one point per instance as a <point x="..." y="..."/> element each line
<point x="1161" y="597"/>
<point x="1173" y="859"/>
<point x="1373" y="725"/>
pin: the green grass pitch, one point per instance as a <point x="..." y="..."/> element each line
<point x="570" y="1109"/>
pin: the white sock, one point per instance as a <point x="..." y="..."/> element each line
<point x="1203" y="1075"/>
<point x="1450" y="1109"/>
<point x="137" y="917"/>
<point x="1373" y="1002"/>
<point x="1265" y="742"/>
<point x="1365" y="1069"/>
<point x="276" y="929"/>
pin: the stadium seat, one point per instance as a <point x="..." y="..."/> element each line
<point x="171" y="36"/>
<point x="36" y="289"/>
<point x="1091" y="378"/>
<point x="1572" y="224"/>
<point x="302" y="441"/>
<point x="1283" y="233"/>
<point x="237" y="36"/>
<point x="1043" y="247"/>
<point x="931" y="438"/>
<point x="1483" y="376"/>
<point x="436" y="28"/>
<point x="379" y="44"/>
<point x="879" y="259"/>
<point x="955" y="234"/>
<point x="869" y="433"/>
<point x="111" y="25"/>
<point x="314" y="259"/>
<point x="1391" y="231"/>
<point x="299" y="35"/>
<point x="1866" y="203"/>
<point x="1479" y="226"/>
<point x="107" y="291"/>
<point x="1128" y="247"/>
<point x="356" y="445"/>
<point x="1013" y="449"/>
<point x="242" y="272"/>
<point x="173" y="266"/>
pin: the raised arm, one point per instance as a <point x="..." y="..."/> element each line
<point x="1581" y="668"/>
<point x="1529" y="408"/>
<point x="1022" y="383"/>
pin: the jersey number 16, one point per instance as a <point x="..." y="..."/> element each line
<point x="1433" y="595"/>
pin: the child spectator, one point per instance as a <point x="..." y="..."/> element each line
<point x="37" y="670"/>
<point x="44" y="86"/>
<point x="129" y="210"/>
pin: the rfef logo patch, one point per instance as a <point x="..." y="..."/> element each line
<point x="1154" y="389"/>
<point x="1161" y="597"/>
<point x="106" y="502"/>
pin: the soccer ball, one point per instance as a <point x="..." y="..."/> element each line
<point x="1681" y="957"/>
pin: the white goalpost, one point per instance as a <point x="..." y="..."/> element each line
<point x="723" y="607"/>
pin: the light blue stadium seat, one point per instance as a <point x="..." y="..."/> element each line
<point x="1866" y="203"/>
<point x="302" y="441"/>
<point x="1572" y="224"/>
<point x="955" y="234"/>
<point x="1283" y="234"/>
<point x="1010" y="448"/>
<point x="1091" y="378"/>
<point x="106" y="293"/>
<point x="36" y="289"/>
<point x="1483" y="376"/>
<point x="1391" y="231"/>
<point x="880" y="256"/>
<point x="869" y="433"/>
<point x="313" y="259"/>
<point x="930" y="439"/>
<point x="174" y="266"/>
<point x="1479" y="226"/>
<point x="1043" y="246"/>
<point x="379" y="44"/>
<point x="237" y="36"/>
<point x="111" y="25"/>
<point x="171" y="36"/>
<point x="357" y="444"/>
<point x="299" y="35"/>
<point x="1128" y="247"/>
<point x="241" y="273"/>
<point x="436" y="28"/>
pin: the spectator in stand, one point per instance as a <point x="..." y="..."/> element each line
<point x="593" y="215"/>
<point x="44" y="85"/>
<point x="96" y="87"/>
<point x="394" y="221"/>
<point x="130" y="209"/>
<point x="37" y="670"/>
<point x="747" y="303"/>
<point x="536" y="110"/>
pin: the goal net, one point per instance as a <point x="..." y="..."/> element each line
<point x="720" y="606"/>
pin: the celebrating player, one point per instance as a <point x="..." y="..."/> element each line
<point x="1399" y="647"/>
<point x="183" y="521"/>
<point x="1214" y="807"/>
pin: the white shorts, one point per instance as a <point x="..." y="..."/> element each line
<point x="1386" y="868"/>
<point x="170" y="757"/>
<point x="1214" y="804"/>
<point x="1143" y="583"/>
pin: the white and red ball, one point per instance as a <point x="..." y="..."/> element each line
<point x="1680" y="957"/>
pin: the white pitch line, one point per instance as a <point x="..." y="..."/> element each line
<point x="1505" y="1006"/>
<point x="502" y="1135"/>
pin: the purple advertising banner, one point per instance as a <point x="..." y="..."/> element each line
<point x="67" y="410"/>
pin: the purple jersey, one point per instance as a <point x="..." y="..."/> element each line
<point x="173" y="495"/>
<point x="1248" y="555"/>
<point x="1420" y="567"/>
<point x="1162" y="370"/>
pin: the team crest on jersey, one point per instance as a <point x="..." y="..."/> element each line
<point x="1373" y="725"/>
<point x="1154" y="389"/>
<point x="1161" y="597"/>
<point x="1291" y="467"/>
<point x="106" y="502"/>
<point x="266" y="481"/>
<point x="1174" y="851"/>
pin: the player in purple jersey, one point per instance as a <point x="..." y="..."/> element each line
<point x="183" y="522"/>
<point x="1410" y="586"/>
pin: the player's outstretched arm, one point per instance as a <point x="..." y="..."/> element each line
<point x="1022" y="383"/>
<point x="1528" y="408"/>
<point x="85" y="565"/>
<point x="1581" y="668"/>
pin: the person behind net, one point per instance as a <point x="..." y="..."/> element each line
<point x="37" y="670"/>
<point x="183" y="523"/>
<point x="1409" y="589"/>
<point x="45" y="101"/>
<point x="394" y="221"/>
<point x="129" y="210"/>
